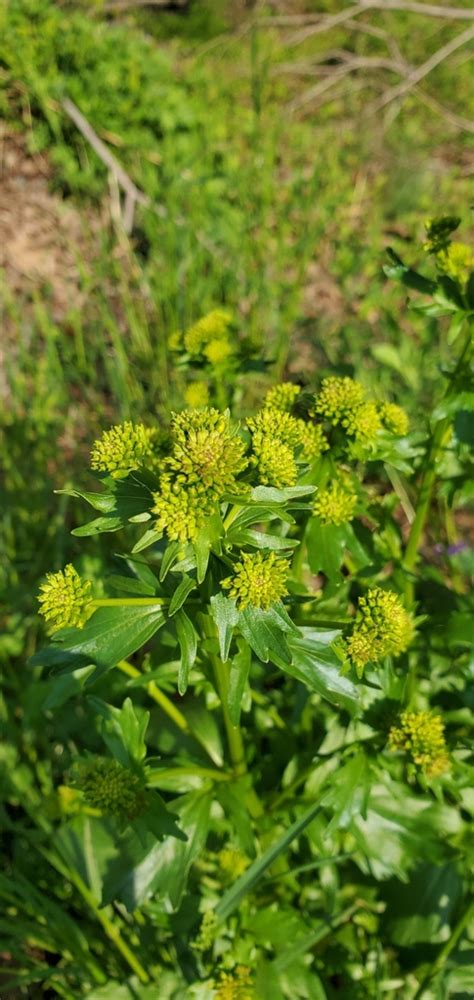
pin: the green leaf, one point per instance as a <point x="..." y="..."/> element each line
<point x="238" y="675"/>
<point x="232" y="796"/>
<point x="208" y="536"/>
<point x="326" y="544"/>
<point x="130" y="585"/>
<point x="348" y="796"/>
<point x="126" y="499"/>
<point x="269" y="494"/>
<point x="123" y="730"/>
<point x="398" y="270"/>
<point x="423" y="908"/>
<point x="184" y="588"/>
<point x="149" y="538"/>
<point x="264" y="632"/>
<point x="249" y="879"/>
<point x="188" y="640"/>
<point x="112" y="634"/>
<point x="316" y="665"/>
<point x="226" y="616"/>
<point x="261" y="540"/>
<point x="58" y="690"/>
<point x="171" y="555"/>
<point x="163" y="870"/>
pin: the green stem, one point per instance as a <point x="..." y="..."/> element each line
<point x="441" y="432"/>
<point x="438" y="441"/>
<point x="234" y="735"/>
<point x="165" y="704"/>
<point x="126" y="602"/>
<point x="446" y="950"/>
<point x="201" y="772"/>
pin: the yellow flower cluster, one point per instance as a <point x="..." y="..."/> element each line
<point x="126" y="447"/>
<point x="65" y="599"/>
<point x="394" y="418"/>
<point x="456" y="260"/>
<point x="382" y="627"/>
<point x="282" y="397"/>
<point x="197" y="394"/>
<point x="344" y="403"/>
<point x="232" y="862"/>
<point x="236" y="985"/>
<point x="421" y="734"/>
<point x="335" y="505"/>
<point x="207" y="454"/>
<point x="207" y="932"/>
<point x="108" y="786"/>
<point x="258" y="580"/>
<point x="278" y="438"/>
<point x="210" y="337"/>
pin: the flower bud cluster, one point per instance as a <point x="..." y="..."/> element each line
<point x="421" y="734"/>
<point x="282" y="397"/>
<point x="207" y="454"/>
<point x="236" y="985"/>
<point x="108" y="786"/>
<point x="65" y="599"/>
<point x="126" y="447"/>
<point x="279" y="439"/>
<point x="456" y="260"/>
<point x="197" y="394"/>
<point x="259" y="580"/>
<point x="382" y="627"/>
<point x="232" y="862"/>
<point x="344" y="403"/>
<point x="394" y="418"/>
<point x="209" y="337"/>
<point x="336" y="504"/>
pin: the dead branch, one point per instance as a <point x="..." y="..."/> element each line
<point x="133" y="195"/>
<point x="420" y="72"/>
<point x="320" y="22"/>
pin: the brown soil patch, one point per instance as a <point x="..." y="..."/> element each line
<point x="40" y="234"/>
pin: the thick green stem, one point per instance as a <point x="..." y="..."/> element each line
<point x="440" y="435"/>
<point x="129" y="602"/>
<point x="233" y="733"/>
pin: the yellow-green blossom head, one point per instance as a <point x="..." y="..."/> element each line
<point x="363" y="423"/>
<point x="394" y="418"/>
<point x="65" y="599"/>
<point x="218" y="351"/>
<point x="274" y="461"/>
<point x="208" y="453"/>
<point x="421" y="734"/>
<point x="457" y="261"/>
<point x="335" y="505"/>
<point x="276" y="425"/>
<point x="382" y="627"/>
<point x="125" y="447"/>
<point x="207" y="932"/>
<point x="282" y="397"/>
<point x="236" y="985"/>
<point x="338" y="398"/>
<point x="213" y="326"/>
<point x="232" y="862"/>
<point x="258" y="580"/>
<point x="108" y="786"/>
<point x="197" y="394"/>
<point x="181" y="511"/>
<point x="313" y="440"/>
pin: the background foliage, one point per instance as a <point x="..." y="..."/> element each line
<point x="278" y="208"/>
